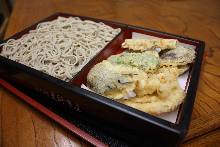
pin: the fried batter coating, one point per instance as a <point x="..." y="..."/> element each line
<point x="179" y="56"/>
<point x="155" y="105"/>
<point x="111" y="81"/>
<point x="146" y="83"/>
<point x="166" y="97"/>
<point x="183" y="68"/>
<point x="155" y="53"/>
<point x="142" y="61"/>
<point x="118" y="74"/>
<point x="147" y="44"/>
<point x="157" y="91"/>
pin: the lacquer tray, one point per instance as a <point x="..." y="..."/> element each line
<point x="129" y="124"/>
<point x="77" y="124"/>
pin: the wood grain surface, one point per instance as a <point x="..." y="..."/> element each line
<point x="23" y="125"/>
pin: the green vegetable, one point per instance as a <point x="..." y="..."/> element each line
<point x="142" y="61"/>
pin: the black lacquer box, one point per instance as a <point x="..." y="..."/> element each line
<point x="130" y="127"/>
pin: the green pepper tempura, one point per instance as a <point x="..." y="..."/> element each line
<point x="142" y="61"/>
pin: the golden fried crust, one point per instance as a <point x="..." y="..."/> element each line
<point x="180" y="56"/>
<point x="156" y="93"/>
<point x="104" y="77"/>
<point x="142" y="61"/>
<point x="155" y="53"/>
<point x="183" y="68"/>
<point x="154" y="104"/>
<point x="147" y="44"/>
<point x="146" y="84"/>
<point x="165" y="98"/>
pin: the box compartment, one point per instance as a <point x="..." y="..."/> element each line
<point x="121" y="120"/>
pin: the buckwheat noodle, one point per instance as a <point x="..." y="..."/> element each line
<point x="60" y="47"/>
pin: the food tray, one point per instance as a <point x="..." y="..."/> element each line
<point x="76" y="123"/>
<point x="118" y="119"/>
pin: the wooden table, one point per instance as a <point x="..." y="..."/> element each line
<point x="22" y="125"/>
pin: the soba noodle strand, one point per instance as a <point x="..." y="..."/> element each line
<point x="60" y="47"/>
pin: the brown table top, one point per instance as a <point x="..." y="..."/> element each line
<point x="22" y="125"/>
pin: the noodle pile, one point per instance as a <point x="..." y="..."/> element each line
<point x="60" y="47"/>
